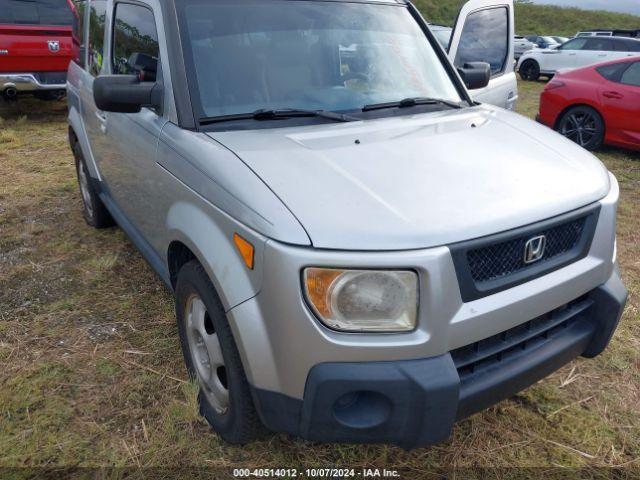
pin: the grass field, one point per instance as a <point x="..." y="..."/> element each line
<point x="92" y="373"/>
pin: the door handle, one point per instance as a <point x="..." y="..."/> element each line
<point x="602" y="55"/>
<point x="614" y="95"/>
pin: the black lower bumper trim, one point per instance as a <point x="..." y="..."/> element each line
<point x="416" y="403"/>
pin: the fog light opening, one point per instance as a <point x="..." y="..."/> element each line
<point x="362" y="409"/>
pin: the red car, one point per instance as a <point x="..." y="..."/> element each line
<point x="38" y="39"/>
<point x="595" y="105"/>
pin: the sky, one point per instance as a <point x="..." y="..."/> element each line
<point x="625" y="6"/>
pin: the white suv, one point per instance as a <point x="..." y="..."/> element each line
<point x="576" y="53"/>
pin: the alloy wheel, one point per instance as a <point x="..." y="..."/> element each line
<point x="580" y="127"/>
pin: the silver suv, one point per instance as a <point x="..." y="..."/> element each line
<point x="358" y="251"/>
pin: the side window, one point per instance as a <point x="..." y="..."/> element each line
<point x="612" y="72"/>
<point x="135" y="42"/>
<point x="598" y="44"/>
<point x="79" y="11"/>
<point x="485" y="38"/>
<point x="95" y="46"/>
<point x="627" y="45"/>
<point x="631" y="76"/>
<point x="575" y="44"/>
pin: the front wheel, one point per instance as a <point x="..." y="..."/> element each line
<point x="212" y="358"/>
<point x="584" y="126"/>
<point x="530" y="70"/>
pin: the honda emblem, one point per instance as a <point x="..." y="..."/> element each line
<point x="534" y="249"/>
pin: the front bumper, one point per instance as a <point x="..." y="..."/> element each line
<point x="32" y="82"/>
<point x="414" y="403"/>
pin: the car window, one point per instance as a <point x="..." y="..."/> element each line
<point x="598" y="44"/>
<point x="612" y="72"/>
<point x="78" y="29"/>
<point x="575" y="44"/>
<point x="485" y="39"/>
<point x="95" y="47"/>
<point x="627" y="45"/>
<point x="135" y="42"/>
<point x="36" y="12"/>
<point x="631" y="75"/>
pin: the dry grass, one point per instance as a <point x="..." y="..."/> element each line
<point x="92" y="375"/>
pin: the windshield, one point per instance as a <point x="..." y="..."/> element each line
<point x="248" y="55"/>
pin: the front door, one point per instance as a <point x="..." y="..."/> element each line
<point x="127" y="157"/>
<point x="564" y="57"/>
<point x="484" y="32"/>
<point x="94" y="119"/>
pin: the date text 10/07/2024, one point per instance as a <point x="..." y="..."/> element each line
<point x="284" y="473"/>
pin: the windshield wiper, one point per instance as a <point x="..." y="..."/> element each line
<point x="280" y="113"/>
<point x="411" y="102"/>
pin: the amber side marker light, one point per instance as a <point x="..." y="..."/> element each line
<point x="246" y="250"/>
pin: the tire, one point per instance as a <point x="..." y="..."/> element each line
<point x="584" y="126"/>
<point x="93" y="210"/>
<point x="530" y="71"/>
<point x="212" y="358"/>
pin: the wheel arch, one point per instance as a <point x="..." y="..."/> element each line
<point x="195" y="235"/>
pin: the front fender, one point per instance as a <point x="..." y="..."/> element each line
<point x="209" y="236"/>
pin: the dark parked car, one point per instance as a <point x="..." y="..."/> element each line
<point x="543" y="42"/>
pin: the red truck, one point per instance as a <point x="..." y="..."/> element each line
<point x="38" y="39"/>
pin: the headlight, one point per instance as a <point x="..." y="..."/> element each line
<point x="363" y="300"/>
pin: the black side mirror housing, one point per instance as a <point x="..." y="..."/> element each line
<point x="125" y="93"/>
<point x="475" y="75"/>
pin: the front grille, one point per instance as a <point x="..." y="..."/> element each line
<point x="51" y="78"/>
<point x="489" y="265"/>
<point x="496" y="261"/>
<point x="474" y="360"/>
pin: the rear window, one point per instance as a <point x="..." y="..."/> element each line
<point x="613" y="72"/>
<point x="36" y="12"/>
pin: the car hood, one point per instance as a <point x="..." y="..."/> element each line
<point x="422" y="180"/>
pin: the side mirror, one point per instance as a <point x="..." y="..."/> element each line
<point x="125" y="93"/>
<point x="475" y="75"/>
